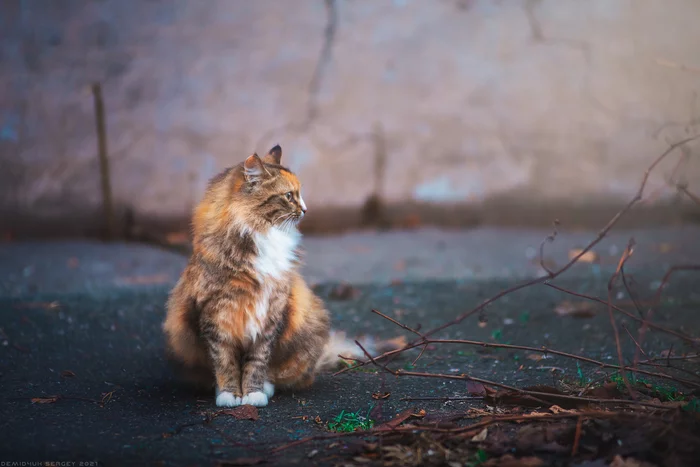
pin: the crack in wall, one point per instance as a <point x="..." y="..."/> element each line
<point x="316" y="81"/>
<point x="538" y="35"/>
<point x="324" y="59"/>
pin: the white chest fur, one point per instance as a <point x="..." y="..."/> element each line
<point x="276" y="255"/>
<point x="276" y="252"/>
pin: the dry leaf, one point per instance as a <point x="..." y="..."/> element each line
<point x="665" y="247"/>
<point x="67" y="374"/>
<point x="45" y="400"/>
<point x="535" y="356"/>
<point x="242" y="412"/>
<point x="582" y="309"/>
<point x="556" y="409"/>
<point x="412" y="221"/>
<point x="176" y="238"/>
<point x="318" y="420"/>
<point x="587" y="257"/>
<point x="475" y="389"/>
<point x="381" y="395"/>
<point x="343" y="292"/>
<point x="481" y="436"/>
<point x="619" y="461"/>
<point x="146" y="280"/>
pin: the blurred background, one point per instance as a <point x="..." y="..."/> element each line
<point x="392" y="112"/>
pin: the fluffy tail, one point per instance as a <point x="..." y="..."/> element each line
<point x="339" y="346"/>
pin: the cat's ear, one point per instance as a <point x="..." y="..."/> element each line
<point x="253" y="169"/>
<point x="274" y="156"/>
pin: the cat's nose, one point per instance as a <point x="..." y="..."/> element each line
<point x="302" y="205"/>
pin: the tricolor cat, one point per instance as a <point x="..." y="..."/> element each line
<point x="241" y="318"/>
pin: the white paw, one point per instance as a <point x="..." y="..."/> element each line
<point x="268" y="389"/>
<point x="227" y="399"/>
<point x="256" y="398"/>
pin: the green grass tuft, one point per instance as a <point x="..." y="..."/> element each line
<point x="346" y="422"/>
<point x="662" y="392"/>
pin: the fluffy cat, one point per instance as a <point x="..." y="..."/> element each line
<point x="241" y="318"/>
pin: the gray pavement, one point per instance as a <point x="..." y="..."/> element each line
<point x="81" y="320"/>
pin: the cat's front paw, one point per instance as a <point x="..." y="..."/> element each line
<point x="255" y="398"/>
<point x="269" y="389"/>
<point x="227" y="399"/>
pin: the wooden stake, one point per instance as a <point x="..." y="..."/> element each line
<point x="104" y="161"/>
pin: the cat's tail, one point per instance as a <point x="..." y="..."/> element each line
<point x="341" y="350"/>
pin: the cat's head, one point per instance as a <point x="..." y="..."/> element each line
<point x="258" y="193"/>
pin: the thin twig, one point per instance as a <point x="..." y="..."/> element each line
<point x="577" y="436"/>
<point x="446" y="399"/>
<point x="533" y="394"/>
<point x="548" y="239"/>
<point x="684" y="190"/>
<point x="552" y="274"/>
<point x="627" y="254"/>
<point x="401" y="325"/>
<point x="691" y="340"/>
<point x="657" y="299"/>
<point x="544" y="350"/>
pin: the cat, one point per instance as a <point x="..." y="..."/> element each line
<point x="241" y="318"/>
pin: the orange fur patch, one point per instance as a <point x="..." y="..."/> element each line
<point x="299" y="303"/>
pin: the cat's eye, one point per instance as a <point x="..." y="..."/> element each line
<point x="288" y="195"/>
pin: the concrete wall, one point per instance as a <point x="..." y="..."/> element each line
<point x="537" y="101"/>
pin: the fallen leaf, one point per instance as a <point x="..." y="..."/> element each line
<point x="535" y="356"/>
<point x="318" y="419"/>
<point x="343" y="292"/>
<point x="45" y="400"/>
<point x="481" y="436"/>
<point x="243" y="461"/>
<point x="582" y="309"/>
<point x="665" y="247"/>
<point x="146" y="280"/>
<point x="412" y="221"/>
<point x="542" y="437"/>
<point x="587" y="257"/>
<point x="619" y="461"/>
<point x="380" y="395"/>
<point x="556" y="409"/>
<point x="242" y="412"/>
<point x="606" y="391"/>
<point x="67" y="374"/>
<point x="176" y="238"/>
<point x="475" y="389"/>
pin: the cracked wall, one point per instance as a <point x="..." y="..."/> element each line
<point x="534" y="100"/>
